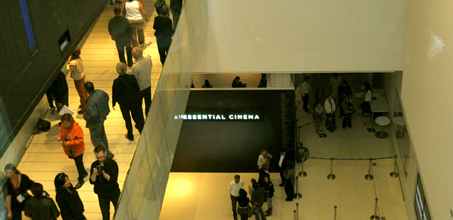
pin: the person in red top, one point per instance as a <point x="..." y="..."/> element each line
<point x="71" y="137"/>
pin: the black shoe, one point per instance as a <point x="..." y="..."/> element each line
<point x="129" y="138"/>
<point x="287" y="199"/>
<point x="83" y="177"/>
<point x="79" y="184"/>
<point x="281" y="185"/>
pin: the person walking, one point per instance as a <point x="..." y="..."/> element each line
<point x="125" y="91"/>
<point x="68" y="199"/>
<point x="97" y="111"/>
<point x="135" y="13"/>
<point x="306" y="93"/>
<point x="121" y="32"/>
<point x="72" y="140"/>
<point x="258" y="197"/>
<point x="142" y="72"/>
<point x="176" y="6"/>
<point x="164" y="32"/>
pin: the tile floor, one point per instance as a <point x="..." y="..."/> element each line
<point x="205" y="195"/>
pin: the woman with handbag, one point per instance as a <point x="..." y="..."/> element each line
<point x="71" y="137"/>
<point x="125" y="91"/>
<point x="71" y="206"/>
<point x="17" y="186"/>
<point x="243" y="205"/>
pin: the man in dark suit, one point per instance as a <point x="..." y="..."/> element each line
<point x="282" y="166"/>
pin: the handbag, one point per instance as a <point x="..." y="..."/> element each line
<point x="249" y="211"/>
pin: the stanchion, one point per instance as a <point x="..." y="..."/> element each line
<point x="375" y="216"/>
<point x="369" y="176"/>
<point x="297" y="213"/>
<point x="395" y="174"/>
<point x="295" y="216"/>
<point x="297" y="195"/>
<point x="302" y="173"/>
<point x="331" y="176"/>
<point x="335" y="213"/>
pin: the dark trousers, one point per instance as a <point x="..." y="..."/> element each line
<point x="80" y="167"/>
<point x="330" y="119"/>
<point x="289" y="190"/>
<point x="17" y="213"/>
<point x="120" y="47"/>
<point x="234" y="201"/>
<point x="163" y="45"/>
<point x="176" y="15"/>
<point x="137" y="114"/>
<point x="105" y="206"/>
<point x="244" y="213"/>
<point x="305" y="99"/>
<point x="282" y="175"/>
<point x="259" y="212"/>
<point x="347" y="120"/>
<point x="146" y="94"/>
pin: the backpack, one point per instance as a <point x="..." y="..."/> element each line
<point x="41" y="126"/>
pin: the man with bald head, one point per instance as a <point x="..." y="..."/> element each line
<point x="142" y="72"/>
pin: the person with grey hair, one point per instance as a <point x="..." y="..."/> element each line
<point x="125" y="91"/>
<point x="142" y="72"/>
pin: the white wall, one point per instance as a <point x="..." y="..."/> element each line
<point x="303" y="36"/>
<point x="428" y="97"/>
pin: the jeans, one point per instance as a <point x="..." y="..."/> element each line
<point x="146" y="94"/>
<point x="269" y="202"/>
<point x="137" y="114"/>
<point x="347" y="120"/>
<point x="234" y="201"/>
<point x="120" y="47"/>
<point x="80" y="167"/>
<point x="104" y="204"/>
<point x="259" y="212"/>
<point x="98" y="137"/>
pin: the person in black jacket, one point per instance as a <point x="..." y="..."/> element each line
<point x="71" y="206"/>
<point x="164" y="31"/>
<point x="17" y="186"/>
<point x="259" y="196"/>
<point x="264" y="172"/>
<point x="104" y="177"/>
<point x="58" y="92"/>
<point x="282" y="166"/>
<point x="243" y="204"/>
<point x="125" y="91"/>
<point x="40" y="207"/>
<point x="176" y="6"/>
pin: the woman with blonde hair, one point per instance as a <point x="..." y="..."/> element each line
<point x="71" y="137"/>
<point x="134" y="12"/>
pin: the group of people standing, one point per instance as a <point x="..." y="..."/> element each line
<point x="261" y="191"/>
<point x="338" y="97"/>
<point x="104" y="176"/>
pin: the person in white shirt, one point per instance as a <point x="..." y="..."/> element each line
<point x="234" y="188"/>
<point x="263" y="157"/>
<point x="305" y="93"/>
<point x="142" y="72"/>
<point x="329" y="107"/>
<point x="282" y="166"/>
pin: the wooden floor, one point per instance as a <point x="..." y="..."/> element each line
<point x="45" y="158"/>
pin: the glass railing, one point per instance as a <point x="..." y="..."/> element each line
<point x="144" y="188"/>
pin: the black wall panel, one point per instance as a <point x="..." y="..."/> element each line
<point x="25" y="78"/>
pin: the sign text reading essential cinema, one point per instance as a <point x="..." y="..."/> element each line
<point x="212" y="117"/>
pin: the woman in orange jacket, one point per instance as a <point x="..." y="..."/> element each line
<point x="71" y="137"/>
